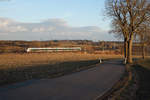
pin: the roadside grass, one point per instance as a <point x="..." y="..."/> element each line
<point x="20" y="67"/>
<point x="13" y="60"/>
<point x="12" y="75"/>
<point x="143" y="70"/>
<point x="138" y="87"/>
<point x="124" y="89"/>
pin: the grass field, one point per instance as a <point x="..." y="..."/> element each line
<point x="20" y="67"/>
<point x="13" y="60"/>
<point x="143" y="70"/>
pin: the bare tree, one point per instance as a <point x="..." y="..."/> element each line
<point x="143" y="34"/>
<point x="127" y="16"/>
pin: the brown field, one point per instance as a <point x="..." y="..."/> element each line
<point x="20" y="67"/>
<point x="13" y="60"/>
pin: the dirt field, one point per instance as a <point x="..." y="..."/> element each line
<point x="20" y="67"/>
<point x="32" y="59"/>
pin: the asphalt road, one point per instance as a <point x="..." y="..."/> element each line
<point x="84" y="85"/>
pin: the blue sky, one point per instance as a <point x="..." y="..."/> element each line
<point x="74" y="13"/>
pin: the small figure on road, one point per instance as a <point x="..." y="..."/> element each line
<point x="100" y="61"/>
<point x="125" y="60"/>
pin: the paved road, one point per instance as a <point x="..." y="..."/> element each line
<point x="84" y="85"/>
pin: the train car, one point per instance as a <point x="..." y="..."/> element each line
<point x="59" y="49"/>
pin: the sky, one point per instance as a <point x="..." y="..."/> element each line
<point x="54" y="20"/>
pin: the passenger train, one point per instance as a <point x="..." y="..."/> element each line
<point x="53" y="49"/>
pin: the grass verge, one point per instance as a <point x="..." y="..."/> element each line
<point x="122" y="89"/>
<point x="11" y="75"/>
<point x="134" y="85"/>
<point x="142" y="68"/>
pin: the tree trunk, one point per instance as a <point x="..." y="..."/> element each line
<point x="143" y="51"/>
<point x="125" y="48"/>
<point x="129" y="58"/>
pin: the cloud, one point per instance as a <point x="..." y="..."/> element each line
<point x="5" y="0"/>
<point x="50" y="29"/>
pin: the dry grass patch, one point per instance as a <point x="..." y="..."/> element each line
<point x="32" y="59"/>
<point x="20" y="67"/>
